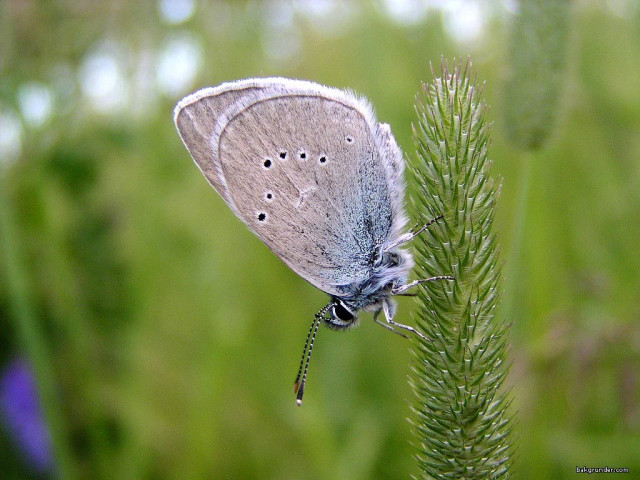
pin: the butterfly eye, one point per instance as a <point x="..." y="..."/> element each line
<point x="340" y="312"/>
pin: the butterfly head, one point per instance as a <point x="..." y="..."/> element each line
<point x="341" y="315"/>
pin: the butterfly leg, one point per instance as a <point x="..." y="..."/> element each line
<point x="401" y="288"/>
<point x="387" y="308"/>
<point x="386" y="325"/>
<point x="407" y="237"/>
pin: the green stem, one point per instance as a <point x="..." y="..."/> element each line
<point x="514" y="263"/>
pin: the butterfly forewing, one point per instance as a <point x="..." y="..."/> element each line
<point x="303" y="171"/>
<point x="196" y="117"/>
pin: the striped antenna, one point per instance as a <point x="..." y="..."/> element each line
<point x="301" y="378"/>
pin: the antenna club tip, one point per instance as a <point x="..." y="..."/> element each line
<point x="298" y="401"/>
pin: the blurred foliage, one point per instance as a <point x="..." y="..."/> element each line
<point x="174" y="334"/>
<point x="536" y="66"/>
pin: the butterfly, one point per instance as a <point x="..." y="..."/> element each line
<point x="319" y="181"/>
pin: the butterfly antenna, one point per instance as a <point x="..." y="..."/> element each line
<point x="303" y="381"/>
<point x="301" y="378"/>
<point x="296" y="384"/>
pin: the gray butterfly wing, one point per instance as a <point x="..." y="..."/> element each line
<point x="306" y="168"/>
<point x="196" y="117"/>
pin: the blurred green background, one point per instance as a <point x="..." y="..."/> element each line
<point x="171" y="336"/>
